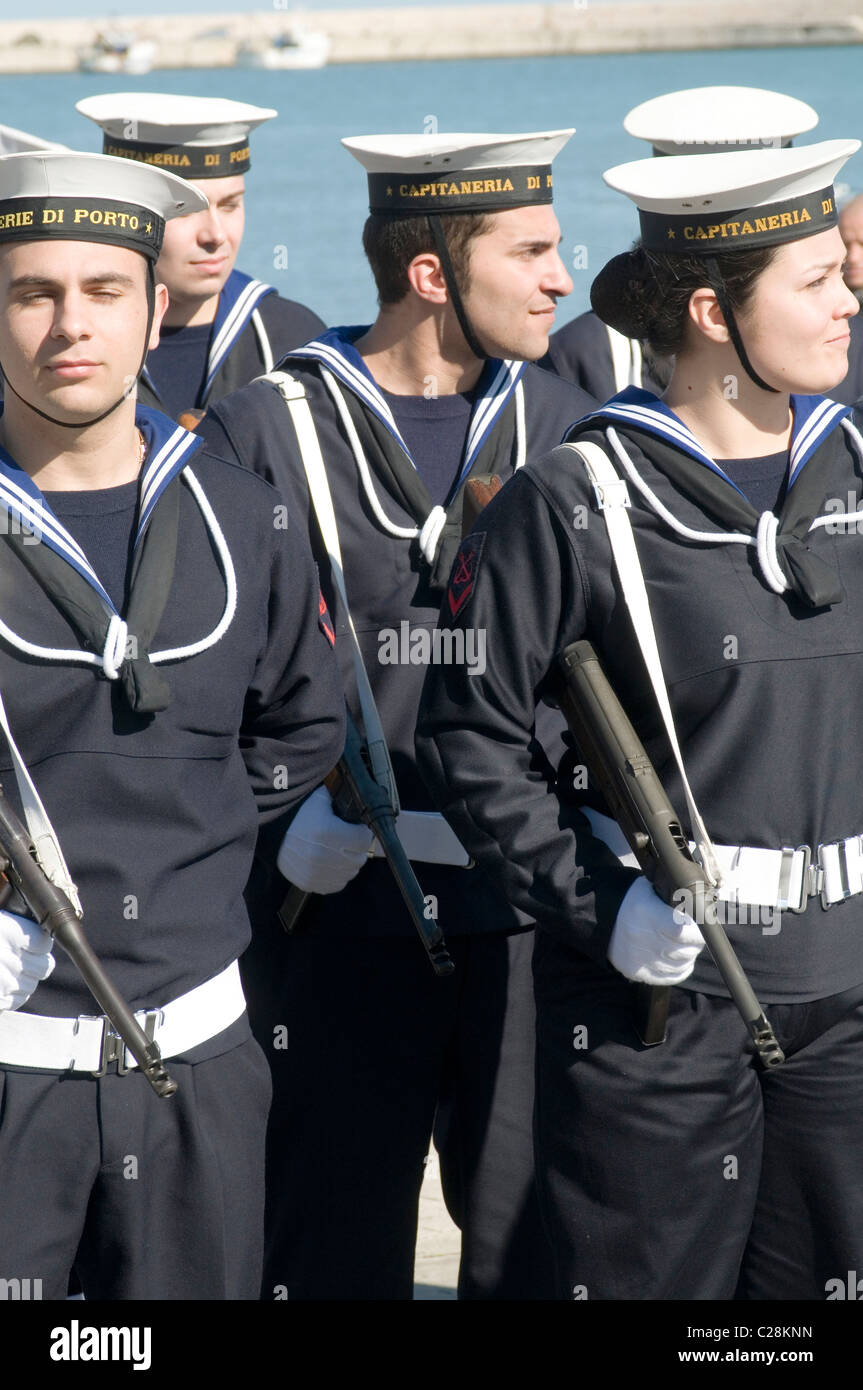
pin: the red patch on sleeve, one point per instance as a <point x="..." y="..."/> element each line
<point x="324" y="621"/>
<point x="464" y="572"/>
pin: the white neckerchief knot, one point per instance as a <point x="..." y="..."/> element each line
<point x="430" y="533"/>
<point x="765" y="541"/>
<point x="114" y="651"/>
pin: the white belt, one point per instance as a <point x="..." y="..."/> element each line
<point x="88" y="1044"/>
<point x="787" y="878"/>
<point x="428" y="838"/>
<point x="781" y="878"/>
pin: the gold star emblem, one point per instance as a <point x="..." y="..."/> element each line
<point x="389" y="193"/>
<point x="149" y="227"/>
<point x="671" y="234"/>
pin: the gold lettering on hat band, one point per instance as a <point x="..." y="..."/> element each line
<point x="85" y="219"/>
<point x="167" y="159"/>
<point x="769" y="225"/>
<point x="189" y="161"/>
<point x="460" y="190"/>
<point x="24" y="218"/>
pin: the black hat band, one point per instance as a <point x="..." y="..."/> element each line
<point x="187" y="161"/>
<point x="769" y="225"/>
<point x="459" y="190"/>
<point x="69" y="218"/>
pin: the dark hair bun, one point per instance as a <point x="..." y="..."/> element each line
<point x="625" y="293"/>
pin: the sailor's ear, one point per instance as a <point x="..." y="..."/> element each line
<point x="705" y="313"/>
<point x="426" y="278"/>
<point x="161" y="305"/>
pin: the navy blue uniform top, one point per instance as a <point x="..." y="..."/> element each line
<point x="158" y="814"/>
<point x="178" y="366"/>
<point x="761" y="479"/>
<point x="102" y="520"/>
<point x="434" y="429"/>
<point x="393" y="594"/>
<point x="769" y="724"/>
<point x="286" y="325"/>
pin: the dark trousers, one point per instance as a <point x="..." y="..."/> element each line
<point x="687" y="1171"/>
<point x="146" y="1198"/>
<point x="377" y="1047"/>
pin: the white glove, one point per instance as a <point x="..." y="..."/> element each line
<point x="651" y="942"/>
<point x="321" y="853"/>
<point x="25" y="958"/>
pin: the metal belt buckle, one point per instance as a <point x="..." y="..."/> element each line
<point x="806" y="887"/>
<point x="114" y="1048"/>
<point x="841" y="847"/>
<point x="611" y="494"/>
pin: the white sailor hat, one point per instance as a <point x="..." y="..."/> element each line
<point x="195" y="137"/>
<point x="457" y="172"/>
<point x="704" y="120"/>
<point x="14" y="141"/>
<point x="67" y="196"/>
<point x="705" y="204"/>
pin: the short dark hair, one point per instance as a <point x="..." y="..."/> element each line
<point x="645" y="294"/>
<point x="391" y="242"/>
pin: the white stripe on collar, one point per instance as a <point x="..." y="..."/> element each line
<point x="354" y="375"/>
<point x="24" y="502"/>
<point x="813" y="418"/>
<point x="487" y="409"/>
<point x="161" y="468"/>
<point x="238" y="300"/>
<point x="226" y="564"/>
<point x="343" y="360"/>
<point x="235" y="322"/>
<point x="820" y="422"/>
<point x="169" y="446"/>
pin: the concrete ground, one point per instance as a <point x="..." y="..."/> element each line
<point x="438" y="1240"/>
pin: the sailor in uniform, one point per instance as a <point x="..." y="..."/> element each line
<point x="167" y="686"/>
<point x="372" y="432"/>
<point x="222" y="328"/>
<point x="699" y="120"/>
<point x="709" y="545"/>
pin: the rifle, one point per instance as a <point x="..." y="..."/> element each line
<point x="635" y="797"/>
<point x="358" y="797"/>
<point x="23" y="874"/>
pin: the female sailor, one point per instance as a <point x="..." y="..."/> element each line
<point x="688" y="1170"/>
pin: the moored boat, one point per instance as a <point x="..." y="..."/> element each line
<point x="296" y="48"/>
<point x="113" y="52"/>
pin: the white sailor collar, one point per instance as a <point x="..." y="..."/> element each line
<point x="238" y="300"/>
<point x="335" y="350"/>
<point x="813" y="418"/>
<point x="169" y="449"/>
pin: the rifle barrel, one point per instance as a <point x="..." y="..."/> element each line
<point x="636" y="798"/>
<point x="53" y="911"/>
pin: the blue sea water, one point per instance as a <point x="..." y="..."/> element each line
<point x="307" y="197"/>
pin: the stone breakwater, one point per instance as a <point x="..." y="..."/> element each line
<point x="448" y="31"/>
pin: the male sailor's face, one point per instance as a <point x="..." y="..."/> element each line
<point x="199" y="251"/>
<point x="73" y="315"/>
<point x="795" y="325"/>
<point x="516" y="277"/>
